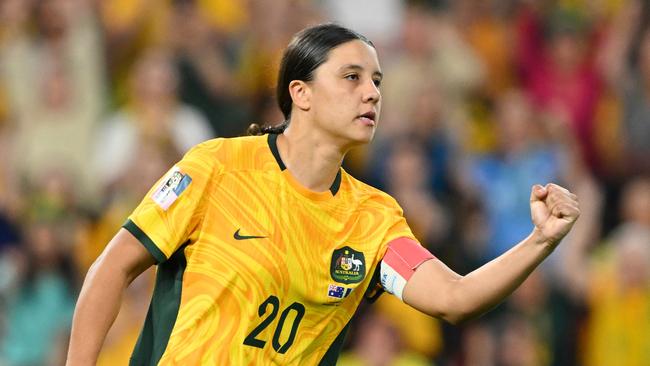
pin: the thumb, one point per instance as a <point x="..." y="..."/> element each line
<point x="538" y="210"/>
<point x="538" y="193"/>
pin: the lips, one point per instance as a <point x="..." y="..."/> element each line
<point x="368" y="118"/>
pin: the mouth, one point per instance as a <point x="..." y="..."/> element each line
<point x="368" y="118"/>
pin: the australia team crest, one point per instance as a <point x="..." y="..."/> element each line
<point x="348" y="266"/>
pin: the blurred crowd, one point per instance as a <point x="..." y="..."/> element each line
<point x="481" y="100"/>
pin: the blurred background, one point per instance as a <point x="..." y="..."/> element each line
<point x="482" y="99"/>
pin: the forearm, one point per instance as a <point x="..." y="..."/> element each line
<point x="485" y="287"/>
<point x="97" y="307"/>
<point x="438" y="291"/>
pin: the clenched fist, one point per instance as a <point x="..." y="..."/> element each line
<point x="554" y="211"/>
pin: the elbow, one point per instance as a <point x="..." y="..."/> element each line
<point x="465" y="311"/>
<point x="455" y="315"/>
<point x="459" y="318"/>
<point x="454" y="319"/>
<point x="457" y="309"/>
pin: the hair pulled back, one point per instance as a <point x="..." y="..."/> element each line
<point x="307" y="50"/>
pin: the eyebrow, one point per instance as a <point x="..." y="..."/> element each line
<point x="360" y="68"/>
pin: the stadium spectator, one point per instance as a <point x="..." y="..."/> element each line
<point x="153" y="115"/>
<point x="41" y="298"/>
<point x="613" y="279"/>
<point x="626" y="66"/>
<point x="555" y="49"/>
<point x="521" y="158"/>
<point x="207" y="61"/>
<point x="378" y="343"/>
<point x="54" y="83"/>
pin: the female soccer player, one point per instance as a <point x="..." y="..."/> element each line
<point x="265" y="246"/>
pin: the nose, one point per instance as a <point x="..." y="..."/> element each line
<point x="371" y="93"/>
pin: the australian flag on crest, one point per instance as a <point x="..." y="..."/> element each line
<point x="338" y="292"/>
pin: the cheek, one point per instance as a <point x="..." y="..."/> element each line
<point x="334" y="104"/>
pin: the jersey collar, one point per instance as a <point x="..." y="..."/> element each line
<point x="273" y="145"/>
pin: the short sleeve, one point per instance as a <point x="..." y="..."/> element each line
<point x="175" y="205"/>
<point x="403" y="257"/>
<point x="397" y="227"/>
<point x="402" y="254"/>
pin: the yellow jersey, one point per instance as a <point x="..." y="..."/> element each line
<point x="253" y="268"/>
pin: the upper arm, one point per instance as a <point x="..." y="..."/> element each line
<point x="411" y="273"/>
<point x="174" y="207"/>
<point x="429" y="288"/>
<point x="124" y="254"/>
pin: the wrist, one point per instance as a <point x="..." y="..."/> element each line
<point x="542" y="240"/>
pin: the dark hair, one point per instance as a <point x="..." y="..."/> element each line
<point x="308" y="49"/>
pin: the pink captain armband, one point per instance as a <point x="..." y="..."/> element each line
<point x="402" y="258"/>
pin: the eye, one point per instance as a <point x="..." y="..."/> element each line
<point x="352" y="77"/>
<point x="377" y="82"/>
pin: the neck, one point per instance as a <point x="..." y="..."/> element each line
<point x="313" y="159"/>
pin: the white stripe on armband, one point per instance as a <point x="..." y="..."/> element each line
<point x="403" y="256"/>
<point x="391" y="280"/>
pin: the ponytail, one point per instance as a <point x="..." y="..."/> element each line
<point x="256" y="130"/>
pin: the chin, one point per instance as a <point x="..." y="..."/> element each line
<point x="353" y="137"/>
<point x="363" y="137"/>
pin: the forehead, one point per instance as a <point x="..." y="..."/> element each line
<point x="353" y="53"/>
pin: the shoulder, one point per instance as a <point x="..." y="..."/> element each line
<point x="235" y="153"/>
<point x="225" y="146"/>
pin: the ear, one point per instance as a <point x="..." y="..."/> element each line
<point x="300" y="94"/>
